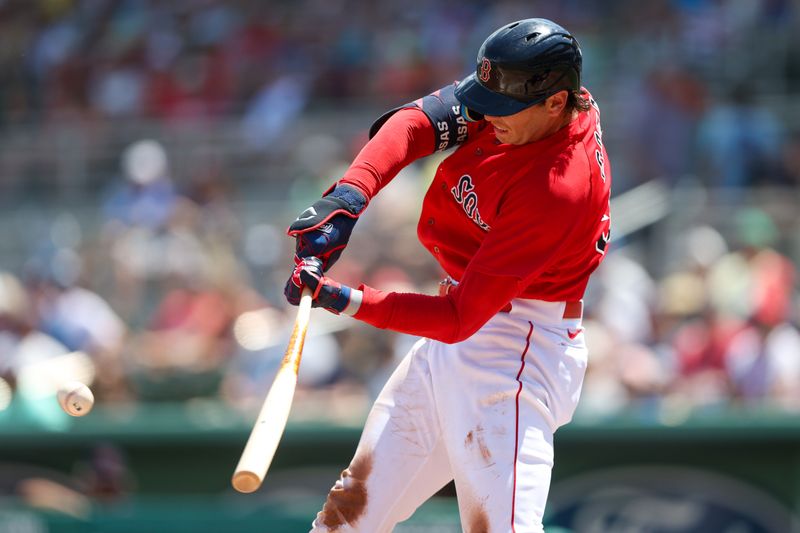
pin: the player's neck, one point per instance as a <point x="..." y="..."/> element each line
<point x="563" y="121"/>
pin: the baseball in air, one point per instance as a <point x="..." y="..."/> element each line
<point x="75" y="398"/>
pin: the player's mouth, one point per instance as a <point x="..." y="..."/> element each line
<point x="499" y="130"/>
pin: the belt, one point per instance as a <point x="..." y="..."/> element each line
<point x="572" y="309"/>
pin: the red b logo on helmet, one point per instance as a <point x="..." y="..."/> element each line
<point x="486" y="67"/>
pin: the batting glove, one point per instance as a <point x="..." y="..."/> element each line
<point x="326" y="293"/>
<point x="324" y="229"/>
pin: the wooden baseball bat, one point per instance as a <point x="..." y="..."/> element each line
<point x="268" y="429"/>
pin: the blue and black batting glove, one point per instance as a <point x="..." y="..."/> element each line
<point x="326" y="293"/>
<point x="324" y="229"/>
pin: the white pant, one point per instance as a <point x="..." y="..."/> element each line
<point x="481" y="412"/>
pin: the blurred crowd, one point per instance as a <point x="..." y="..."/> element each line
<point x="687" y="86"/>
<point x="173" y="298"/>
<point x="168" y="285"/>
<point x="718" y="330"/>
<point x="170" y="297"/>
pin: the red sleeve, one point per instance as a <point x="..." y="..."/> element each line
<point x="451" y="318"/>
<point x="407" y="136"/>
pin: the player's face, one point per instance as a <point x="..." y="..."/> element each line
<point x="531" y="124"/>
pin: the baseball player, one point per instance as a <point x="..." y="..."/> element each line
<point x="518" y="217"/>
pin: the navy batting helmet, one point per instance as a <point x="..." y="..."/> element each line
<point x="520" y="65"/>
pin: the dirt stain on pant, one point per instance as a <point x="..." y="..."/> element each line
<point x="347" y="500"/>
<point x="478" y="522"/>
<point x="484" y="450"/>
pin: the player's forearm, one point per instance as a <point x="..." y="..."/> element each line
<point x="416" y="314"/>
<point x="448" y="319"/>
<point x="404" y="138"/>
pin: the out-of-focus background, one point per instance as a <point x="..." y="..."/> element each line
<point x="153" y="153"/>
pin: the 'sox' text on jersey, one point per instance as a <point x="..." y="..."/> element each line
<point x="466" y="197"/>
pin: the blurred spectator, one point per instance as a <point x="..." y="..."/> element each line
<point x="662" y="120"/>
<point x="627" y="294"/>
<point x="763" y="365"/>
<point x="76" y="316"/>
<point x="146" y="197"/>
<point x="740" y="142"/>
<point x="272" y="111"/>
<point x="732" y="280"/>
<point x="762" y="359"/>
<point x="699" y="345"/>
<point x="184" y="349"/>
<point x="33" y="362"/>
<point x="139" y="211"/>
<point x="84" y="322"/>
<point x="20" y="342"/>
<point x="695" y="334"/>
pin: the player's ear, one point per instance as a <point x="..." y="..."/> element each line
<point x="556" y="103"/>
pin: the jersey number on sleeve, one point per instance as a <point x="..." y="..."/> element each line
<point x="605" y="235"/>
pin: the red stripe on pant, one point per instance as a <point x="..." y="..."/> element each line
<point x="516" y="435"/>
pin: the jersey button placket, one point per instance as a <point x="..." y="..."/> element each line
<point x="431" y="221"/>
<point x="436" y="249"/>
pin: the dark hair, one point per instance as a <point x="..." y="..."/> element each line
<point x="576" y="100"/>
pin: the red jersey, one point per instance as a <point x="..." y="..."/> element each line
<point x="506" y="221"/>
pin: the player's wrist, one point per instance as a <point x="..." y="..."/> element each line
<point x="355" y="297"/>
<point x="349" y="198"/>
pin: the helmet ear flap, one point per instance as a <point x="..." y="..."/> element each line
<point x="470" y="115"/>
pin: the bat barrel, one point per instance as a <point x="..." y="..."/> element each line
<point x="268" y="429"/>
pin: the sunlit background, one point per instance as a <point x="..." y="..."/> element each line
<point x="153" y="153"/>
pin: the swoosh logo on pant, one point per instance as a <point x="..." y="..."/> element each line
<point x="573" y="334"/>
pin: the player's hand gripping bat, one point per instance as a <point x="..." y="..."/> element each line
<point x="268" y="429"/>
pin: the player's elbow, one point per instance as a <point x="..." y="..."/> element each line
<point x="459" y="334"/>
<point x="454" y="339"/>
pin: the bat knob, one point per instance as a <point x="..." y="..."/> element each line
<point x="246" y="482"/>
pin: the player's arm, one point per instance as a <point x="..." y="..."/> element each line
<point x="523" y="243"/>
<point x="397" y="138"/>
<point x="450" y="318"/>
